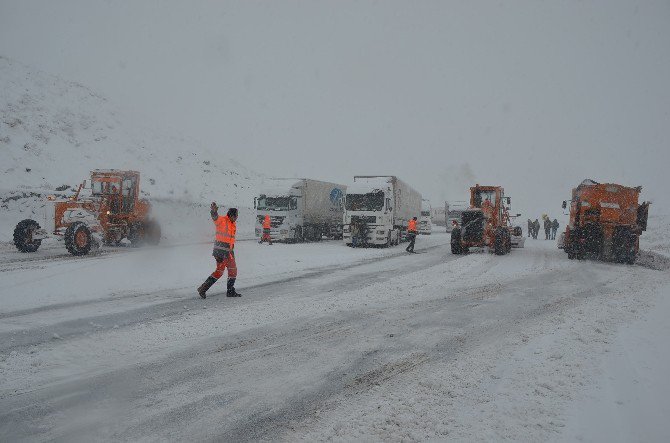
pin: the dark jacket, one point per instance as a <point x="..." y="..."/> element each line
<point x="554" y="224"/>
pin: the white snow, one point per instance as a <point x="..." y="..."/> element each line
<point x="327" y="342"/>
<point x="489" y="370"/>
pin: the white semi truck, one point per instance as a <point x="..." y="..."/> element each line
<point x="377" y="209"/>
<point x="425" y="227"/>
<point x="454" y="211"/>
<point x="301" y="209"/>
<point x="438" y="215"/>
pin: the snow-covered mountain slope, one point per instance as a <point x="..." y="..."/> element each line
<point x="54" y="132"/>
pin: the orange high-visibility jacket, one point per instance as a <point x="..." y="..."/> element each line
<point x="487" y="208"/>
<point x="411" y="226"/>
<point x="266" y="222"/>
<point x="225" y="230"/>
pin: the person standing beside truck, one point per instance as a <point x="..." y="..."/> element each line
<point x="530" y="228"/>
<point x="224" y="245"/>
<point x="411" y="234"/>
<point x="267" y="224"/>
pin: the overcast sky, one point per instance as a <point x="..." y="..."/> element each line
<point x="531" y="95"/>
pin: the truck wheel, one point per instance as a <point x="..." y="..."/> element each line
<point x="456" y="247"/>
<point x="23" y="236"/>
<point x="499" y="243"/>
<point x="136" y="234"/>
<point x="152" y="231"/>
<point x="78" y="239"/>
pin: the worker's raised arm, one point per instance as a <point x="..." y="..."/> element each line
<point x="214" y="211"/>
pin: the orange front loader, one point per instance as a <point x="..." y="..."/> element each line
<point x="606" y="221"/>
<point x="485" y="223"/>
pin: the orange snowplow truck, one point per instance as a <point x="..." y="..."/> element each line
<point x="606" y="221"/>
<point x="485" y="223"/>
<point x="109" y="212"/>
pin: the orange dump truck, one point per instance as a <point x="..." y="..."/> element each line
<point x="606" y="221"/>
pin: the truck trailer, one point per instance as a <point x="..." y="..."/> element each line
<point x="377" y="209"/>
<point x="301" y="209"/>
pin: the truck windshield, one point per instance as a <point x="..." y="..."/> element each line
<point x="372" y="201"/>
<point x="276" y="203"/>
<point x="104" y="187"/>
<point x="481" y="196"/>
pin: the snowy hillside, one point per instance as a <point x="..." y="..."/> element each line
<point x="54" y="132"/>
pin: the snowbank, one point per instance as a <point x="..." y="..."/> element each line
<point x="54" y="132"/>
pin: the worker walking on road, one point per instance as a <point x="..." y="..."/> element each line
<point x="536" y="228"/>
<point x="530" y="228"/>
<point x="554" y="228"/>
<point x="266" y="230"/>
<point x="223" y="253"/>
<point x="411" y="234"/>
<point x="547" y="227"/>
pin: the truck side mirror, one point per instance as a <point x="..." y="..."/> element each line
<point x="565" y="204"/>
<point x="509" y="200"/>
<point x="254" y="202"/>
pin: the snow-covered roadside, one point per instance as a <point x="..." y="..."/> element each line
<point x="525" y="385"/>
<point x="657" y="237"/>
<point x="630" y="400"/>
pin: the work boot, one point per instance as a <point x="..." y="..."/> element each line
<point x="202" y="290"/>
<point x="231" y="289"/>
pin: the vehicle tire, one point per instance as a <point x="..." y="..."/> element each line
<point x="499" y="246"/>
<point x="508" y="239"/>
<point x="152" y="231"/>
<point x="78" y="240"/>
<point x="456" y="246"/>
<point x="136" y="234"/>
<point x="23" y="236"/>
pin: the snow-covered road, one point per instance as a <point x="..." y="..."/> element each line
<point x="327" y="342"/>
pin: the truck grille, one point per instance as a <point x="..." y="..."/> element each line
<point x="367" y="219"/>
<point x="275" y="220"/>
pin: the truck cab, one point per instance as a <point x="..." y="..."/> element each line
<point x="368" y="217"/>
<point x="377" y="210"/>
<point x="281" y="203"/>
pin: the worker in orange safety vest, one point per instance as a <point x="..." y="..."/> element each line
<point x="487" y="208"/>
<point x="223" y="253"/>
<point x="266" y="230"/>
<point x="411" y="234"/>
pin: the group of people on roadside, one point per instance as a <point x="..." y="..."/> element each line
<point x="550" y="227"/>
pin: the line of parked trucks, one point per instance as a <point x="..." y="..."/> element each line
<point x="606" y="220"/>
